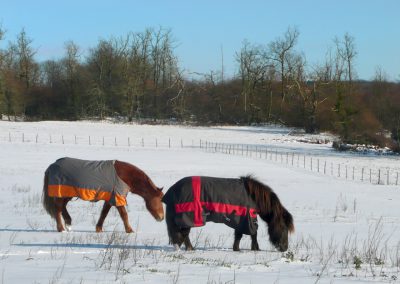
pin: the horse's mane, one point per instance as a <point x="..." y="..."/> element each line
<point x="135" y="175"/>
<point x="267" y="201"/>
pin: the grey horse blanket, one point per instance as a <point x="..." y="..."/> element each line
<point x="88" y="180"/>
<point x="197" y="200"/>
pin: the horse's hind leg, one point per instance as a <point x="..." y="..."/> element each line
<point x="236" y="243"/>
<point x="254" y="242"/>
<point x="59" y="202"/>
<point x="65" y="214"/>
<point x="185" y="233"/>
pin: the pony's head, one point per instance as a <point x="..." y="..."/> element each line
<point x="279" y="220"/>
<point x="280" y="224"/>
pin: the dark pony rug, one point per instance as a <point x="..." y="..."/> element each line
<point x="193" y="201"/>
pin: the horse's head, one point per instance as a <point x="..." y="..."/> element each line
<point x="142" y="185"/>
<point x="280" y="224"/>
<point x="154" y="204"/>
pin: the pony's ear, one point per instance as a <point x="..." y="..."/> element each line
<point x="160" y="188"/>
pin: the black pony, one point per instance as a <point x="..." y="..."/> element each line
<point x="192" y="201"/>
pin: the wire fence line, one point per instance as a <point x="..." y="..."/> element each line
<point x="314" y="163"/>
<point x="92" y="140"/>
<point x="321" y="165"/>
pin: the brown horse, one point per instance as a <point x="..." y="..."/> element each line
<point x="97" y="180"/>
<point x="193" y="201"/>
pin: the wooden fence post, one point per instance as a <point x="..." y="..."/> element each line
<point x="370" y="175"/>
<point x="387" y="180"/>
<point x="379" y="176"/>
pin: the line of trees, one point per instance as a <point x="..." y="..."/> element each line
<point x="138" y="76"/>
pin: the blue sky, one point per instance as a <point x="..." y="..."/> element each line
<point x="201" y="28"/>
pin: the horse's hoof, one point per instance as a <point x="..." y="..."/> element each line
<point x="68" y="228"/>
<point x="128" y="231"/>
<point x="99" y="229"/>
<point x="176" y="247"/>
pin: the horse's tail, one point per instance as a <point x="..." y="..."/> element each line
<point x="48" y="202"/>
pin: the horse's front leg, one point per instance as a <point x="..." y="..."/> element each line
<point x="124" y="216"/>
<point x="254" y="242"/>
<point x="238" y="237"/>
<point x="103" y="215"/>
<point x="59" y="202"/>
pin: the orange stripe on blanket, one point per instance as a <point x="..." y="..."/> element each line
<point x="60" y="190"/>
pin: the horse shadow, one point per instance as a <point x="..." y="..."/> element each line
<point x="14" y="230"/>
<point x="98" y="246"/>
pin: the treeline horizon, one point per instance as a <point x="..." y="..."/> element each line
<point x="137" y="76"/>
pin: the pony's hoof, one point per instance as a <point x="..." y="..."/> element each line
<point x="129" y="230"/>
<point x="99" y="229"/>
<point x="176" y="247"/>
<point x="68" y="228"/>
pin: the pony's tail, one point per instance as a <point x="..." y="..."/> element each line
<point x="48" y="202"/>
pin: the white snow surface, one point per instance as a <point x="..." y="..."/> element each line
<point x="345" y="231"/>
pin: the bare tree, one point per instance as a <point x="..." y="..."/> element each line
<point x="252" y="69"/>
<point x="281" y="51"/>
<point x="343" y="80"/>
<point x="346" y="50"/>
<point x="71" y="66"/>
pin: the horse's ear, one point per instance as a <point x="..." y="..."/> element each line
<point x="160" y="188"/>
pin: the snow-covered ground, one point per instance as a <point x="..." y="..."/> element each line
<point x="346" y="231"/>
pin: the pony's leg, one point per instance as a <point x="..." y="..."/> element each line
<point x="236" y="243"/>
<point x="59" y="202"/>
<point x="65" y="214"/>
<point x="174" y="232"/>
<point x="103" y="215"/>
<point x="254" y="242"/>
<point x="186" y="240"/>
<point x="124" y="216"/>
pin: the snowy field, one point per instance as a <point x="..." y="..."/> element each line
<point x="346" y="231"/>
